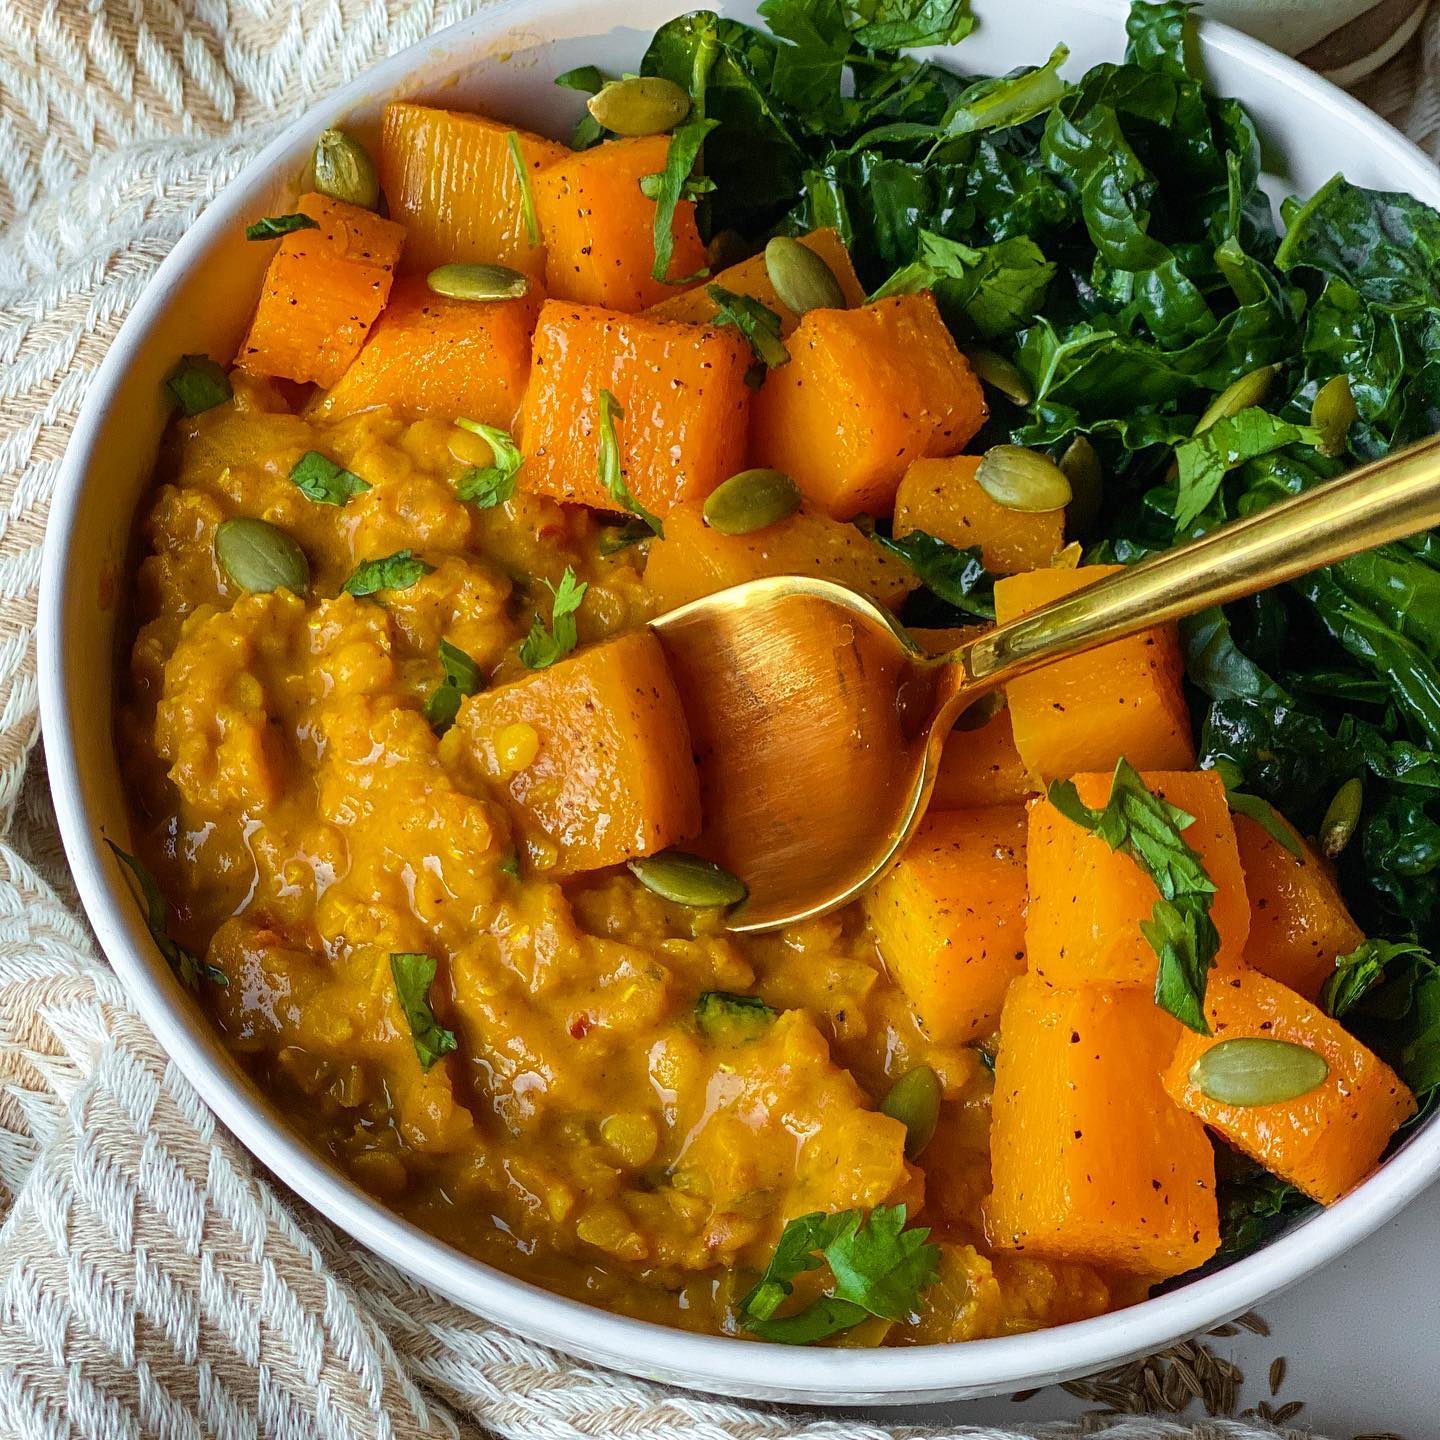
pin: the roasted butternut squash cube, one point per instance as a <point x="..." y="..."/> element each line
<point x="681" y="387"/>
<point x="322" y="292"/>
<point x="1090" y="1161"/>
<point x="943" y="498"/>
<point x="1299" y="925"/>
<point x="694" y="560"/>
<point x="450" y="180"/>
<point x="612" y="774"/>
<point x="430" y="355"/>
<point x="865" y="392"/>
<point x="1324" y="1142"/>
<point x="980" y="765"/>
<point x="949" y="918"/>
<point x="599" y="229"/>
<point x="750" y="277"/>
<point x="1085" y="713"/>
<point x="1087" y="900"/>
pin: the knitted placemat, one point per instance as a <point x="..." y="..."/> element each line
<point x="152" y="1282"/>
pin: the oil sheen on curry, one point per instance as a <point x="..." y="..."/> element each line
<point x="418" y="788"/>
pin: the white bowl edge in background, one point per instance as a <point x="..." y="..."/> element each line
<point x="503" y="60"/>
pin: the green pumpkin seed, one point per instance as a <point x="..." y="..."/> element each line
<point x="639" y="105"/>
<point x="478" y="282"/>
<point x="1087" y="484"/>
<point x="1239" y="395"/>
<point x="345" y="171"/>
<point x="998" y="373"/>
<point x="802" y="280"/>
<point x="1256" y="1070"/>
<point x="688" y="880"/>
<point x="750" y="501"/>
<point x="1332" y="413"/>
<point x="260" y="557"/>
<point x="914" y="1100"/>
<point x="1341" y="818"/>
<point x="1021" y="479"/>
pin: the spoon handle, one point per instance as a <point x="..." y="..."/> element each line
<point x="1385" y="500"/>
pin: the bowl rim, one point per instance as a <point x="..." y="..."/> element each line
<point x="641" y="1348"/>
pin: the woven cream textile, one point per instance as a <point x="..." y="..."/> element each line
<point x="151" y="1282"/>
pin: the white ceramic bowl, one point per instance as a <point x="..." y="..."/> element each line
<point x="503" y="62"/>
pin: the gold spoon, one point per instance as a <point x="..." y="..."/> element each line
<point x="818" y="724"/>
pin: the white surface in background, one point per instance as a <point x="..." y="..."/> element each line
<point x="1361" y="1341"/>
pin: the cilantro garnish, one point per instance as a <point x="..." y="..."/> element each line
<point x="198" y="384"/>
<point x="325" y="482"/>
<point x="542" y="647"/>
<point x="1179" y="930"/>
<point x="1357" y="973"/>
<point x="877" y="1266"/>
<point x="1262" y="812"/>
<point x="672" y="185"/>
<point x="462" y="677"/>
<point x="413" y="975"/>
<point x="589" y="81"/>
<point x="185" y="963"/>
<point x="392" y="572"/>
<point x="757" y="322"/>
<point x="485" y="486"/>
<point x="612" y="472"/>
<point x="527" y="193"/>
<point x="274" y="226"/>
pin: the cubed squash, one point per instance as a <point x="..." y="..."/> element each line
<point x="430" y="355"/>
<point x="681" y="387"/>
<point x="865" y="392"/>
<point x="322" y="292"/>
<point x="1084" y="713"/>
<point x="694" y="560"/>
<point x="980" y="764"/>
<point x="1324" y="1142"/>
<point x="750" y="277"/>
<point x="943" y="498"/>
<point x="450" y="180"/>
<point x="599" y="229"/>
<point x="1298" y="922"/>
<point x="1087" y="900"/>
<point x="611" y="775"/>
<point x="1089" y="1159"/>
<point x="949" y="919"/>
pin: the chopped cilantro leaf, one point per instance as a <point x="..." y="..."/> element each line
<point x="542" y="647"/>
<point x="198" y="384"/>
<point x="485" y="486"/>
<point x="877" y="1267"/>
<point x="325" y="482"/>
<point x="612" y="471"/>
<point x="462" y="678"/>
<point x="274" y="226"/>
<point x="188" y="966"/>
<point x="392" y="572"/>
<point x="1179" y="930"/>
<point x="413" y="975"/>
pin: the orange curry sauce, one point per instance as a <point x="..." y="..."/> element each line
<point x="306" y="822"/>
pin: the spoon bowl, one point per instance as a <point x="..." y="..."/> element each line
<point x="813" y="717"/>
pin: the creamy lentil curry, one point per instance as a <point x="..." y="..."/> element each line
<point x="418" y="787"/>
